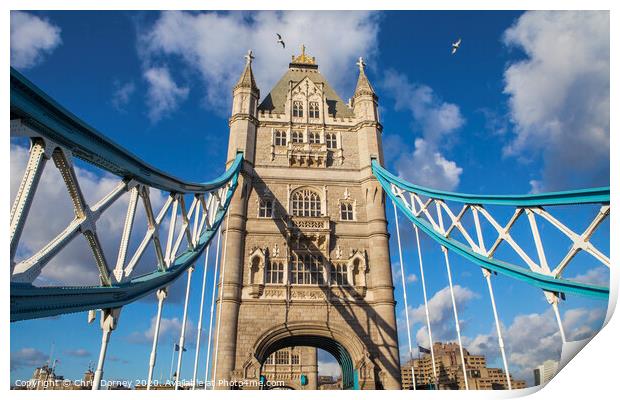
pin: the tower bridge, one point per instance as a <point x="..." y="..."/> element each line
<point x="301" y="236"/>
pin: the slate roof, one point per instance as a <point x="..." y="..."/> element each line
<point x="274" y="102"/>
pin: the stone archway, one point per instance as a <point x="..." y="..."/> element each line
<point x="358" y="370"/>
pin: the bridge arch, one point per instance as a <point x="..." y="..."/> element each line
<point x="346" y="348"/>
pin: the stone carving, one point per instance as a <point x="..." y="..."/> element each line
<point x="307" y="294"/>
<point x="338" y="255"/>
<point x="274" y="293"/>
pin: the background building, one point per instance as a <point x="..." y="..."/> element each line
<point x="450" y="372"/>
<point x="285" y="366"/>
<point x="545" y="372"/>
<point x="45" y="378"/>
<point x="329" y="383"/>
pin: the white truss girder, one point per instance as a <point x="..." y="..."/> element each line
<point x="202" y="209"/>
<point x="538" y="262"/>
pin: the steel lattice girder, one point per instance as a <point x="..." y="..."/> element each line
<point x="547" y="282"/>
<point x="35" y="113"/>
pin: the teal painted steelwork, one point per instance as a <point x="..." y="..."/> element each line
<point x="356" y="380"/>
<point x="28" y="301"/>
<point x="544" y="282"/>
<point x="41" y="113"/>
<point x="583" y="196"/>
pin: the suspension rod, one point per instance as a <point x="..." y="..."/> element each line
<point x="402" y="275"/>
<point x="202" y="303"/>
<point x="184" y="323"/>
<point x="161" y="296"/>
<point x="219" y="313"/>
<point x="500" y="341"/>
<point x="215" y="271"/>
<point x="428" y="318"/>
<point x="556" y="311"/>
<point x="456" y="316"/>
<point x="109" y="320"/>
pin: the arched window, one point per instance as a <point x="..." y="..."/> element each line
<point x="282" y="357"/>
<point x="313" y="111"/>
<point x="297" y="137"/>
<point x="339" y="275"/>
<point x="306" y="203"/>
<point x="265" y="208"/>
<point x="279" y="138"/>
<point x="346" y="211"/>
<point x="298" y="109"/>
<point x="307" y="269"/>
<point x="330" y="140"/>
<point x="274" y="273"/>
<point x="314" y="137"/>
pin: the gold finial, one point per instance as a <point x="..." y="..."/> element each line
<point x="303" y="58"/>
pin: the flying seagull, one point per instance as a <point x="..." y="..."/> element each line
<point x="456" y="45"/>
<point x="280" y="40"/>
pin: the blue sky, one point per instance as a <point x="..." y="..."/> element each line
<point x="513" y="111"/>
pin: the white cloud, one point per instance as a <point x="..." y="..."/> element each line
<point x="437" y="121"/>
<point x="27" y="357"/>
<point x="426" y="166"/>
<point x="78" y="352"/>
<point x="213" y="44"/>
<point x="163" y="95"/>
<point x="396" y="275"/>
<point x="441" y="314"/>
<point x="559" y="96"/>
<point x="51" y="212"/>
<point x="32" y="38"/>
<point x="432" y="116"/>
<point x="595" y="276"/>
<point x="534" y="338"/>
<point x="331" y="368"/>
<point x="169" y="328"/>
<point x="122" y="94"/>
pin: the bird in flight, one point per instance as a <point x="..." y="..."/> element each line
<point x="456" y="45"/>
<point x="280" y="40"/>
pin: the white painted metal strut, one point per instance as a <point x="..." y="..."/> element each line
<point x="456" y="314"/>
<point x="428" y="318"/>
<point x="161" y="296"/>
<point x="25" y="193"/>
<point x="456" y="317"/>
<point x="558" y="318"/>
<point x="109" y="320"/>
<point x="402" y="275"/>
<point x="200" y="312"/>
<point x="500" y="340"/>
<point x="487" y="275"/>
<point x="209" y="340"/>
<point x="126" y="236"/>
<point x="221" y="295"/>
<point x="184" y="324"/>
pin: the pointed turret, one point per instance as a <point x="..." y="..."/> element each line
<point x="247" y="77"/>
<point x="364" y="99"/>
<point x="243" y="119"/>
<point x="363" y="84"/>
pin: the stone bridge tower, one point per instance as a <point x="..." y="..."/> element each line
<point x="306" y="262"/>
